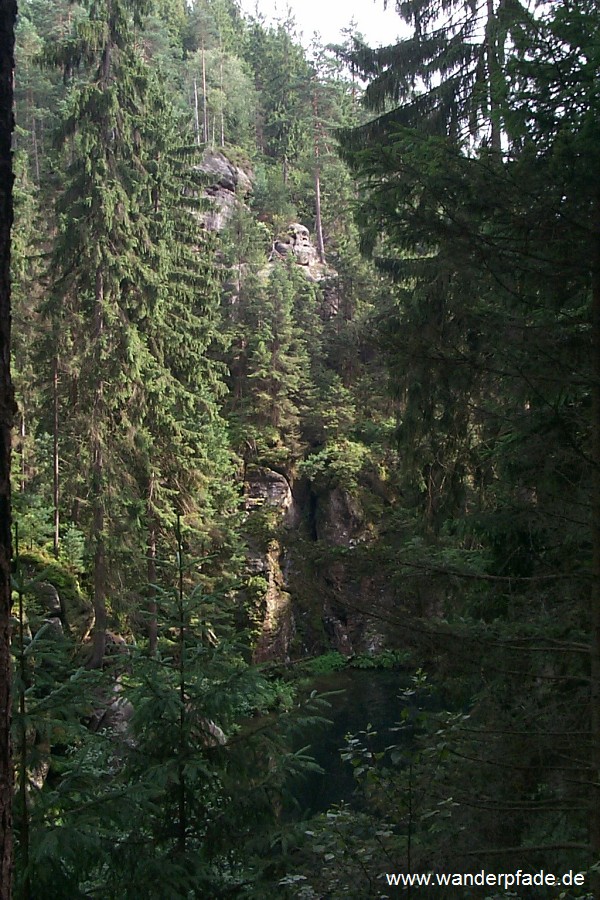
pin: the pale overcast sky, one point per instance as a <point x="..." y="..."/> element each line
<point x="328" y="17"/>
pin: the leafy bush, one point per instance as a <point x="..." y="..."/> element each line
<point x="386" y="659"/>
<point x="323" y="665"/>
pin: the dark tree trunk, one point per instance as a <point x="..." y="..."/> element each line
<point x="182" y="824"/>
<point x="152" y="607"/>
<point x="22" y="436"/>
<point x="595" y="598"/>
<point x="8" y="12"/>
<point x="100" y="620"/>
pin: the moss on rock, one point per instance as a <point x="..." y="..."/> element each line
<point x="41" y="571"/>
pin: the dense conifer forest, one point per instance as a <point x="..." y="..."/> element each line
<point x="306" y="362"/>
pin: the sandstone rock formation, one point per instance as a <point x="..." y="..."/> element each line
<point x="297" y="241"/>
<point x="299" y="609"/>
<point x="228" y="186"/>
<point x="269" y="494"/>
<point x="339" y="519"/>
<point x="277" y="626"/>
<point x="265" y="486"/>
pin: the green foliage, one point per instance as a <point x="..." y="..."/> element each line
<point x="180" y="776"/>
<point x="337" y="854"/>
<point x="338" y="463"/>
<point x="40" y="568"/>
<point x="195" y="755"/>
<point x="51" y="701"/>
<point x="271" y="196"/>
<point x="34" y="518"/>
<point x="406" y="820"/>
<point x="487" y="323"/>
<point x="72" y="549"/>
<point x="333" y="661"/>
<point x="271" y="356"/>
<point x="281" y="76"/>
<point x="230" y="107"/>
<point x="384" y="659"/>
<point x="274" y="694"/>
<point x="327" y="662"/>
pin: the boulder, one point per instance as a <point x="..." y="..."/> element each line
<point x="56" y="592"/>
<point x="113" y="711"/>
<point x="47" y="594"/>
<point x="297" y="245"/>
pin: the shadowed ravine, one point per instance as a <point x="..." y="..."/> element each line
<point x="365" y="698"/>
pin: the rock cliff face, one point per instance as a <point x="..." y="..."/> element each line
<point x="303" y="551"/>
<point x="278" y="625"/>
<point x="230" y="185"/>
<point x="268" y="495"/>
<point x="339" y="519"/>
<point x="265" y="486"/>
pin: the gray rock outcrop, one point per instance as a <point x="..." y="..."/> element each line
<point x="228" y="186"/>
<point x="277" y="622"/>
<point x="269" y="492"/>
<point x="296" y="242"/>
<point x="339" y="519"/>
<point x="265" y="486"/>
<point x="297" y="245"/>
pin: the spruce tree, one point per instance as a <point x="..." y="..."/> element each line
<point x="448" y="76"/>
<point x="102" y="267"/>
<point x="560" y="131"/>
<point x="184" y="443"/>
<point x="275" y="365"/>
